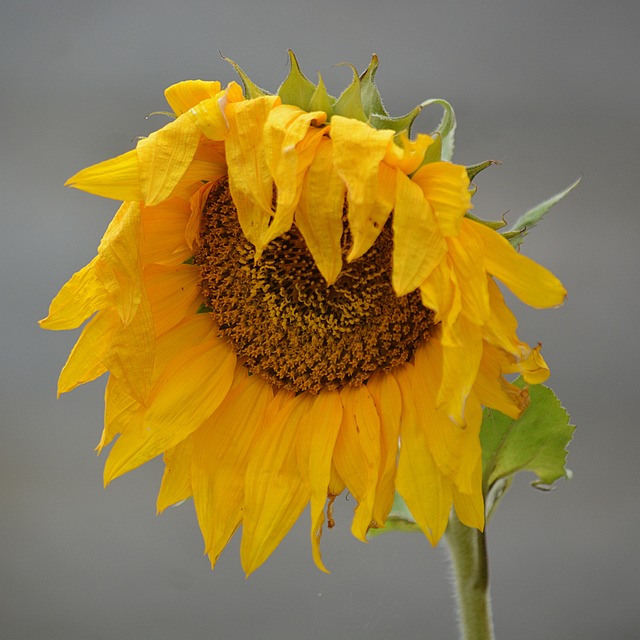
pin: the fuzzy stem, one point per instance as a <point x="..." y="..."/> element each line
<point x="471" y="568"/>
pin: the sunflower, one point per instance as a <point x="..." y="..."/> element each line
<point x="293" y="301"/>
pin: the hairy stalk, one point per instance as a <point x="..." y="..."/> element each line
<point x="471" y="569"/>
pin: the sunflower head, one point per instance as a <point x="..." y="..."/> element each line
<point x="293" y="300"/>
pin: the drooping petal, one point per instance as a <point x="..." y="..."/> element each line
<point x="493" y="390"/>
<point x="188" y="391"/>
<point x="455" y="448"/>
<point x="462" y="355"/>
<point x="87" y="359"/>
<point x="357" y="453"/>
<point x="173" y="293"/>
<point x="163" y="230"/>
<point x="440" y="293"/>
<point x="117" y="178"/>
<point x="119" y="267"/>
<point x="470" y="506"/>
<point x="78" y="299"/>
<point x="358" y="151"/>
<point x="386" y="394"/>
<point x="275" y="494"/>
<point x="184" y="95"/>
<point x="164" y="157"/>
<point x="121" y="412"/>
<point x="446" y="187"/>
<point x="425" y="489"/>
<point x="315" y="445"/>
<point x="531" y="282"/>
<point x="501" y="328"/>
<point x="319" y="212"/>
<point x="222" y="448"/>
<point x="291" y="139"/>
<point x="418" y="245"/>
<point x="250" y="180"/>
<point x="466" y="256"/>
<point x="176" y="479"/>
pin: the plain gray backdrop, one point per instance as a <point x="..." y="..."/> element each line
<point x="549" y="87"/>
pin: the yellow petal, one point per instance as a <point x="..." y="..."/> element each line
<point x="87" y="359"/>
<point x="208" y="165"/>
<point x="358" y="151"/>
<point x="315" y="444"/>
<point x="418" y="245"/>
<point x="446" y="187"/>
<point x="163" y="232"/>
<point x="78" y="299"/>
<point x="290" y="146"/>
<point x="173" y="293"/>
<point x="532" y="283"/>
<point x="466" y="253"/>
<point x="117" y="178"/>
<point x="388" y="400"/>
<point x="407" y="155"/>
<point x="250" y="180"/>
<point x="500" y="330"/>
<point x="189" y="390"/>
<point x="462" y="354"/>
<point x="164" y="157"/>
<point x="357" y="454"/>
<point x="493" y="390"/>
<point x="176" y="479"/>
<point x="120" y="266"/>
<point x="455" y="449"/>
<point x="131" y="352"/>
<point x="534" y="369"/>
<point x="223" y="445"/>
<point x="470" y="506"/>
<point x="275" y="494"/>
<point x="425" y="489"/>
<point x="184" y="95"/>
<point x="121" y="412"/>
<point x="440" y="292"/>
<point x="319" y="212"/>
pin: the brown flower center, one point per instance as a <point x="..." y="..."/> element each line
<point x="287" y="323"/>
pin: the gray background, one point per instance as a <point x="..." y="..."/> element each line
<point x="549" y="87"/>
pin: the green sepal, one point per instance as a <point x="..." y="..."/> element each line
<point x="398" y="124"/>
<point x="191" y="260"/>
<point x="446" y="129"/>
<point x="371" y="98"/>
<point x="349" y="104"/>
<point x="250" y="89"/>
<point x="297" y="89"/>
<point x="204" y="309"/>
<point x="321" y="100"/>
<point x="492" y="224"/>
<point x="399" y="519"/>
<point x="475" y="169"/>
<point x="434" y="151"/>
<point x="536" y="442"/>
<point x="526" y="222"/>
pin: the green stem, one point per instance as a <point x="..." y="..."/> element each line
<point x="471" y="567"/>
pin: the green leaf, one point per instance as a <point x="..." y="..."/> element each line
<point x="525" y="223"/>
<point x="534" y="442"/>
<point x="297" y="89"/>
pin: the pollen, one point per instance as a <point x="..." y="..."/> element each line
<point x="283" y="319"/>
